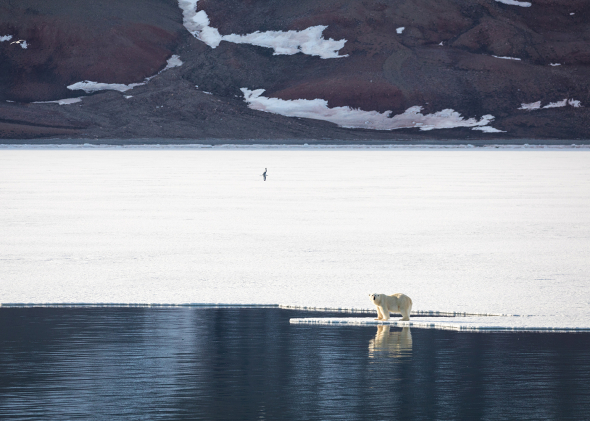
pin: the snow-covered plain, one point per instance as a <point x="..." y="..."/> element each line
<point x="493" y="231"/>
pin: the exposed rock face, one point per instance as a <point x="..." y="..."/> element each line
<point x="477" y="57"/>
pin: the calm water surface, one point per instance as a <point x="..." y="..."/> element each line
<point x="250" y="363"/>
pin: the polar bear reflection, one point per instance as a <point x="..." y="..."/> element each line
<point x="392" y="344"/>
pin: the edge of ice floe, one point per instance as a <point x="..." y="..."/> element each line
<point x="281" y="146"/>
<point x="432" y="313"/>
<point x="447" y="321"/>
<point x="140" y="305"/>
<point x="430" y="324"/>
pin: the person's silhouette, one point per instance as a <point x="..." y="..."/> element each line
<point x="264" y="175"/>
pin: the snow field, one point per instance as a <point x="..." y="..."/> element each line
<point x="464" y="231"/>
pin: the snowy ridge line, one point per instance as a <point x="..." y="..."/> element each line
<point x="164" y="305"/>
<point x="414" y="313"/>
<point x="230" y="146"/>
<point x="434" y="325"/>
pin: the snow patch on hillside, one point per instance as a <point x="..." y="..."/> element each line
<point x="489" y="129"/>
<point x="558" y="104"/>
<point x="66" y="101"/>
<point x="515" y="3"/>
<point x="347" y="117"/>
<point x="89" y="86"/>
<point x="530" y="106"/>
<point x="507" y="58"/>
<point x="310" y="41"/>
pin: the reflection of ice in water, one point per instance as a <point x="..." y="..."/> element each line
<point x="392" y="344"/>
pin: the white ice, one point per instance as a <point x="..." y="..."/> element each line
<point x="400" y="29"/>
<point x="89" y="86"/>
<point x="464" y="230"/>
<point x="309" y="41"/>
<point x="554" y="64"/>
<point x="515" y="3"/>
<point x="5" y="38"/>
<point x="354" y="118"/>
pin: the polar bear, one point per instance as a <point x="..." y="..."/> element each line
<point x="392" y="303"/>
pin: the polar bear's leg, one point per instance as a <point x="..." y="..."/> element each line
<point x="379" y="313"/>
<point x="406" y="311"/>
<point x="385" y="312"/>
<point x="405" y="315"/>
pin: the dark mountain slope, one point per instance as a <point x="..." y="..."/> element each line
<point x="476" y="57"/>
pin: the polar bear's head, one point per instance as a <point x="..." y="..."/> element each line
<point x="376" y="298"/>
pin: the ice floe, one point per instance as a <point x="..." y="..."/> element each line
<point x="5" y="38"/>
<point x="558" y="104"/>
<point x="354" y="118"/>
<point x="89" y="86"/>
<point x="515" y="3"/>
<point x="554" y="64"/>
<point x="450" y="323"/>
<point x="309" y="41"/>
<point x="400" y="29"/>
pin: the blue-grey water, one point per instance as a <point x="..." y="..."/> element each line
<point x="250" y="363"/>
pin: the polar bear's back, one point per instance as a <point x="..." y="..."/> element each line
<point x="399" y="301"/>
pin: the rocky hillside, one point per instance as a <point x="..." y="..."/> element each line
<point x="271" y="69"/>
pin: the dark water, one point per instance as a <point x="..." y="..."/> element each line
<point x="251" y="364"/>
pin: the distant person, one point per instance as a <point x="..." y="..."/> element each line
<point x="264" y="174"/>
